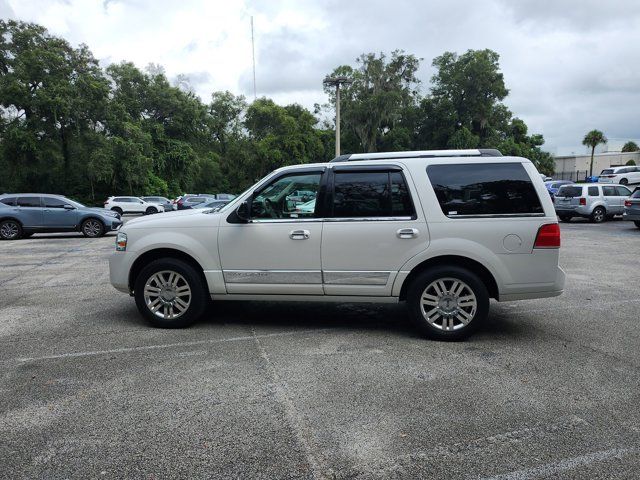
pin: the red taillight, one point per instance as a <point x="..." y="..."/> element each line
<point x="548" y="236"/>
<point x="627" y="203"/>
<point x="583" y="201"/>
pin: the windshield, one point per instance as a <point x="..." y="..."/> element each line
<point x="569" y="191"/>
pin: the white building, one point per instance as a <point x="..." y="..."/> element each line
<point x="576" y="167"/>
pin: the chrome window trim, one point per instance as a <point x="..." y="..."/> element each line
<point x="334" y="219"/>
<point x="498" y="215"/>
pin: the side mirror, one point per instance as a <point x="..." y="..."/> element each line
<point x="243" y="211"/>
<point x="69" y="207"/>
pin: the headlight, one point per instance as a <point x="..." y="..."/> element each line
<point x="121" y="242"/>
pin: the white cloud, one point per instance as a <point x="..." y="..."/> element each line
<point x="570" y="65"/>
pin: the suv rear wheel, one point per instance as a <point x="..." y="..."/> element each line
<point x="118" y="210"/>
<point x="10" y="230"/>
<point x="624" y="181"/>
<point x="170" y="293"/>
<point x="598" y="215"/>
<point x="448" y="302"/>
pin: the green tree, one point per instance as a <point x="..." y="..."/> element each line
<point x="372" y="106"/>
<point x="592" y="140"/>
<point x="630" y="147"/>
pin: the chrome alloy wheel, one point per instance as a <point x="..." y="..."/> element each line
<point x="92" y="228"/>
<point x="167" y="294"/>
<point x="448" y="304"/>
<point x="9" y="230"/>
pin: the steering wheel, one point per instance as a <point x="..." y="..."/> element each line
<point x="270" y="208"/>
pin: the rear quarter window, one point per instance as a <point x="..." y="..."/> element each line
<point x="487" y="189"/>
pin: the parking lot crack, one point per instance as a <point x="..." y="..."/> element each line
<point x="280" y="391"/>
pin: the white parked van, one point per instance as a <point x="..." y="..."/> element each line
<point x="444" y="231"/>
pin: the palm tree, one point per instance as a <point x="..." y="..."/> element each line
<point x="593" y="139"/>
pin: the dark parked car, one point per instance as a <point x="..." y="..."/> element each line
<point x="632" y="208"/>
<point x="165" y="202"/>
<point x="191" y="201"/>
<point x="215" y="204"/>
<point x="23" y="214"/>
<point x="554" y="185"/>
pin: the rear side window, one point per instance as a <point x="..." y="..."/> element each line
<point x="593" y="192"/>
<point x="609" y="191"/>
<point x="371" y="194"/>
<point x="120" y="199"/>
<point x="484" y="189"/>
<point x="8" y="201"/>
<point x="28" y="201"/>
<point x="570" y="191"/>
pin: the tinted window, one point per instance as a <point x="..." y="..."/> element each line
<point x="609" y="191"/>
<point x="8" y="201"/>
<point x="121" y="199"/>
<point x="623" y="191"/>
<point x="401" y="204"/>
<point x="371" y="194"/>
<point x="593" y="192"/>
<point x="51" y="202"/>
<point x="607" y="171"/>
<point x="484" y="189"/>
<point x="195" y="200"/>
<point x="569" y="191"/>
<point x="636" y="194"/>
<point x="29" y="201"/>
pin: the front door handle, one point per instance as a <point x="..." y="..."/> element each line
<point x="299" y="234"/>
<point x="407" y="233"/>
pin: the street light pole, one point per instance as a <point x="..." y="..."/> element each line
<point x="337" y="81"/>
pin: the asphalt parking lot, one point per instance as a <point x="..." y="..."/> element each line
<point x="547" y="389"/>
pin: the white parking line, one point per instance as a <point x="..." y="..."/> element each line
<point x="142" y="348"/>
<point x="552" y="469"/>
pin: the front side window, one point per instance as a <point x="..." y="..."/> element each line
<point x="623" y="191"/>
<point x="28" y="201"/>
<point x="52" y="202"/>
<point x="280" y="199"/>
<point x="484" y="189"/>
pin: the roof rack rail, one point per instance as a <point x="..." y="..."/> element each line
<point x="480" y="152"/>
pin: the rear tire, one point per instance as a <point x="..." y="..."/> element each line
<point x="92" y="228"/>
<point x="624" y="181"/>
<point x="598" y="215"/>
<point x="566" y="218"/>
<point x="447" y="302"/>
<point x="151" y="211"/>
<point x="118" y="210"/>
<point x="170" y="293"/>
<point x="10" y="230"/>
<point x="637" y="224"/>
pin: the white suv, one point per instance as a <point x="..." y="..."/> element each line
<point x="623" y="175"/>
<point x="444" y="231"/>
<point x="124" y="205"/>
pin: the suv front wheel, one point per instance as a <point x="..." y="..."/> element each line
<point x="448" y="302"/>
<point x="170" y="293"/>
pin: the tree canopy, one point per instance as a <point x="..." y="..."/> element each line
<point x="69" y="126"/>
<point x="630" y="147"/>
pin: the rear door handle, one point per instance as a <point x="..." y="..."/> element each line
<point x="299" y="234"/>
<point x="407" y="233"/>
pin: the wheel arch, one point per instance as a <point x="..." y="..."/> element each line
<point x="455" y="260"/>
<point x="91" y="217"/>
<point x="159" y="253"/>
<point x="11" y="217"/>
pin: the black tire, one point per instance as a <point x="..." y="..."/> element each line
<point x="93" y="228"/>
<point x="624" y="181"/>
<point x="197" y="300"/>
<point x="118" y="210"/>
<point x="10" y="230"/>
<point x="637" y="224"/>
<point x="151" y="211"/>
<point x="565" y="218"/>
<point x="598" y="215"/>
<point x="436" y="328"/>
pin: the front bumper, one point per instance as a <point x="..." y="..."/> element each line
<point x="115" y="225"/>
<point x="577" y="210"/>
<point x="119" y="267"/>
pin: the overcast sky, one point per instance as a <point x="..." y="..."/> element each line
<point x="570" y="65"/>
